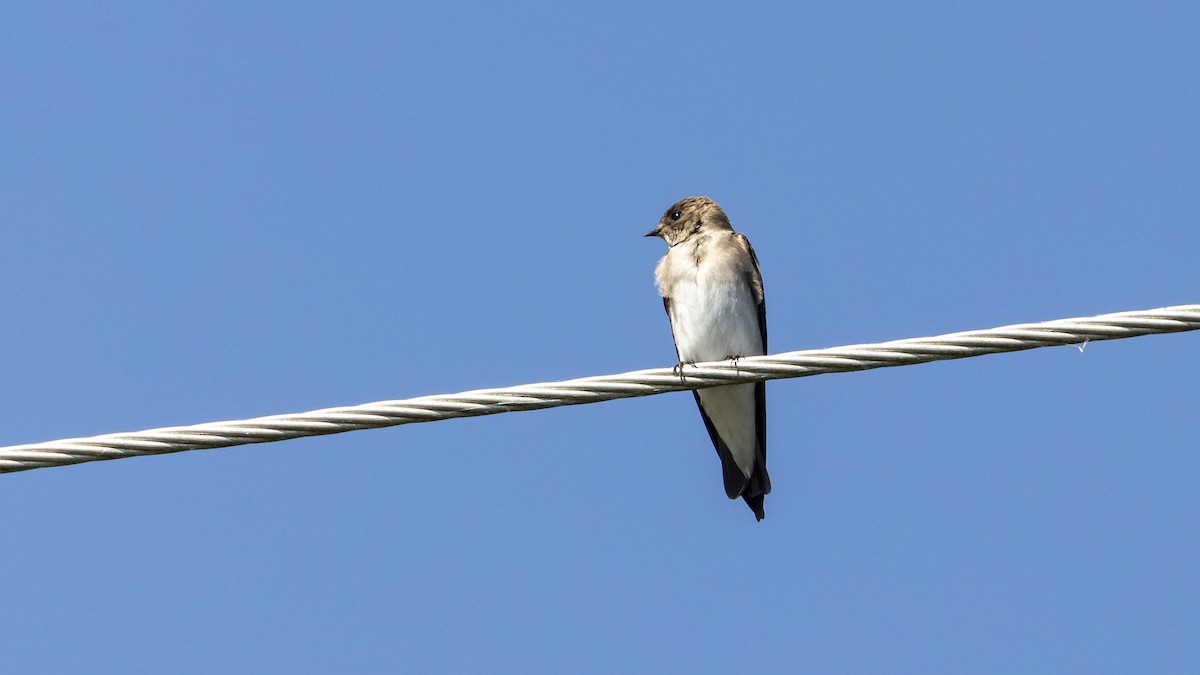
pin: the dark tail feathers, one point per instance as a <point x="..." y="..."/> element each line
<point x="756" y="505"/>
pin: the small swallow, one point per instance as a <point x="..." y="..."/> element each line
<point x="713" y="293"/>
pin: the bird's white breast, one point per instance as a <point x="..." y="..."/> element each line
<point x="714" y="314"/>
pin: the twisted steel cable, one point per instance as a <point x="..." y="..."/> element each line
<point x="601" y="388"/>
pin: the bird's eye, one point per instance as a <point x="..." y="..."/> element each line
<point x="676" y="215"/>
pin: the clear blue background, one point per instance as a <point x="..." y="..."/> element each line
<point x="222" y="210"/>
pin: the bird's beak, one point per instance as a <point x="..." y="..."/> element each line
<point x="652" y="233"/>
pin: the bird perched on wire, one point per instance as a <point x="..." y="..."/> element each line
<point x="713" y="293"/>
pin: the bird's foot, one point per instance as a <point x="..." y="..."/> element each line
<point x="678" y="369"/>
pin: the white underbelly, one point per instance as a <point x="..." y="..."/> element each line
<point x="711" y="324"/>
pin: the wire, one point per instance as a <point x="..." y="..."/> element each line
<point x="905" y="352"/>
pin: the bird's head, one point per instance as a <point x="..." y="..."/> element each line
<point x="687" y="217"/>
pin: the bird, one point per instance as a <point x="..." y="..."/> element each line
<point x="712" y="290"/>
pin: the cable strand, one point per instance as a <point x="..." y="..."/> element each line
<point x="848" y="358"/>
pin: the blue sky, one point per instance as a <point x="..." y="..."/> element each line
<point x="223" y="210"/>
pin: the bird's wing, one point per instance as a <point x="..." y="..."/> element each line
<point x="754" y="279"/>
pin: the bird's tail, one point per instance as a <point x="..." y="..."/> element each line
<point x="755" y="502"/>
<point x="757" y="487"/>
